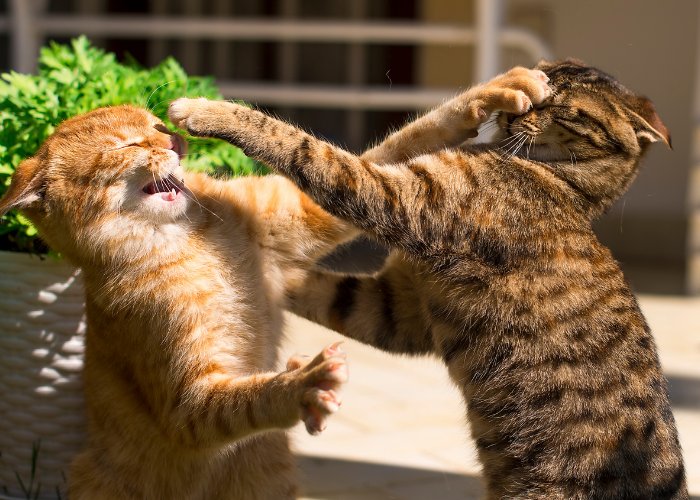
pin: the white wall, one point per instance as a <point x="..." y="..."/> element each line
<point x="651" y="47"/>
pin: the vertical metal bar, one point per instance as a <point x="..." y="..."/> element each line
<point x="221" y="58"/>
<point x="288" y="63"/>
<point x="357" y="75"/>
<point x="157" y="47"/>
<point x="288" y="60"/>
<point x="488" y="24"/>
<point x="24" y="35"/>
<point x="91" y="8"/>
<point x="190" y="49"/>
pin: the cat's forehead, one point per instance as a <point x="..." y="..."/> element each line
<point x="571" y="75"/>
<point x="114" y="119"/>
<point x="105" y="126"/>
<point x="89" y="135"/>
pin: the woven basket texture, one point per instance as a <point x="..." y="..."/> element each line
<point x="42" y="331"/>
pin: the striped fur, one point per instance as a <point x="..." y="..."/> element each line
<point x="183" y="300"/>
<point x="496" y="270"/>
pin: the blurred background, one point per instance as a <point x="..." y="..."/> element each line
<point x="352" y="70"/>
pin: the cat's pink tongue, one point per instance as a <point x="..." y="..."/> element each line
<point x="169" y="196"/>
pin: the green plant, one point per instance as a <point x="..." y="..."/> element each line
<point x="31" y="490"/>
<point x="77" y="78"/>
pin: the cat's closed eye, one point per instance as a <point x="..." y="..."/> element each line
<point x="162" y="128"/>
<point x="124" y="146"/>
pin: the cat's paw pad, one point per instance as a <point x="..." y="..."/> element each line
<point x="321" y="379"/>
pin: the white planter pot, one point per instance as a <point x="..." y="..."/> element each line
<point x="42" y="331"/>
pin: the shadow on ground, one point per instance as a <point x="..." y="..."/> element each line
<point x="339" y="479"/>
<point x="684" y="392"/>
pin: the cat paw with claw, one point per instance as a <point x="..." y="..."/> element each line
<point x="320" y="380"/>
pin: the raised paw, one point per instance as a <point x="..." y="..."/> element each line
<point x="320" y="380"/>
<point x="519" y="89"/>
<point x="180" y="110"/>
<point x="204" y="118"/>
<point x="515" y="91"/>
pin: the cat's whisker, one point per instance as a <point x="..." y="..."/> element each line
<point x="519" y="147"/>
<point x="515" y="150"/>
<point x="572" y="156"/>
<point x="508" y="153"/>
<point x="153" y="93"/>
<point x="530" y="144"/>
<point x="154" y="177"/>
<point x="189" y="194"/>
<point x="488" y="126"/>
<point x="510" y="140"/>
<point x="491" y="121"/>
<point x="513" y="144"/>
<point x="159" y="103"/>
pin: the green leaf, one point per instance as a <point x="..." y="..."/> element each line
<point x="77" y="78"/>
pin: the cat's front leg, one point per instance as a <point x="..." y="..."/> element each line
<point x="318" y="381"/>
<point x="219" y="408"/>
<point x="459" y="119"/>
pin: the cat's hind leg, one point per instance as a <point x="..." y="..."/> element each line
<point x="383" y="310"/>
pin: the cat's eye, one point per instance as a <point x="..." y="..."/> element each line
<point x="162" y="128"/>
<point x="124" y="146"/>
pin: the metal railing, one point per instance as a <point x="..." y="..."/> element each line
<point x="28" y="24"/>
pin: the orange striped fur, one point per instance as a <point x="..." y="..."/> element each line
<point x="495" y="268"/>
<point x="184" y="287"/>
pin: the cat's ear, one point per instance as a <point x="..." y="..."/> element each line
<point x="648" y="124"/>
<point x="25" y="187"/>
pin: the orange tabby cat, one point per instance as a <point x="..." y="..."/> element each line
<point x="183" y="300"/>
<point x="183" y="311"/>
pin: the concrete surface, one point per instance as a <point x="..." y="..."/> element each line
<point x="401" y="435"/>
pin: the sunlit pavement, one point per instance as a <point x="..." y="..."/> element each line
<point x="401" y="435"/>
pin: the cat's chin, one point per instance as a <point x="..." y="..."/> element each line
<point x="547" y="153"/>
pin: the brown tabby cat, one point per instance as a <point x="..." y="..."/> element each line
<point x="183" y="305"/>
<point x="183" y="310"/>
<point x="496" y="269"/>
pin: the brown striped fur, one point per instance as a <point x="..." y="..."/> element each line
<point x="183" y="300"/>
<point x="496" y="269"/>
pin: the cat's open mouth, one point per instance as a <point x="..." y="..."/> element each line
<point x="168" y="188"/>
